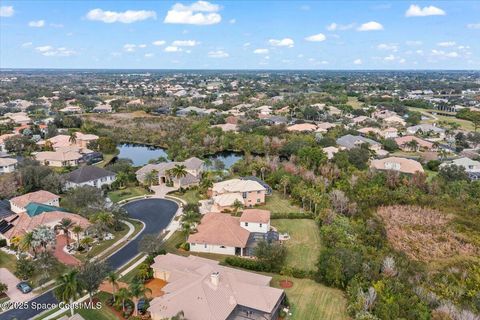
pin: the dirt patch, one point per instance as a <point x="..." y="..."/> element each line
<point x="285" y="284"/>
<point x="423" y="234"/>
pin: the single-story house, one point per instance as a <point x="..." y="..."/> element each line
<point x="405" y="141"/>
<point x="402" y="165"/>
<point x="59" y="158"/>
<point x="302" y="127"/>
<point x="350" y="141"/>
<point x="203" y="289"/>
<point x="89" y="176"/>
<point x="472" y="167"/>
<point x="428" y="129"/>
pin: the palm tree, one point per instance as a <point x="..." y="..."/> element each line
<point x="186" y="229"/>
<point x="151" y="178"/>
<point x="26" y="243"/>
<point x="65" y="224"/>
<point x="112" y="277"/>
<point x="137" y="291"/>
<point x="87" y="242"/>
<point x="43" y="236"/>
<point x="179" y="171"/>
<point x="68" y="287"/>
<point x="77" y="229"/>
<point x="48" y="146"/>
<point x="412" y="145"/>
<point x="121" y="179"/>
<point x="284" y="182"/>
<point x="122" y="295"/>
<point x="73" y="138"/>
<point x="104" y="220"/>
<point x="237" y="205"/>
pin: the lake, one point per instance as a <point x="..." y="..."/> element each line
<point x="140" y="154"/>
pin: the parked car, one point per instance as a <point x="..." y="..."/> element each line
<point x="24" y="287"/>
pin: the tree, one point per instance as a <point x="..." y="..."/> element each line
<point x="45" y="264"/>
<point x="91" y="275"/>
<point x="359" y="157"/>
<point x="77" y="229"/>
<point x="73" y="138"/>
<point x="20" y="145"/>
<point x="68" y="288"/>
<point x="112" y="278"/>
<point x="137" y="291"/>
<point x="86" y="200"/>
<point x="272" y="255"/>
<point x="284" y="182"/>
<point x="453" y="172"/>
<point x="3" y="288"/>
<point x="26" y="243"/>
<point x="8" y="185"/>
<point x="179" y="172"/>
<point x="24" y="267"/>
<point x="65" y="224"/>
<point x="237" y="205"/>
<point x="104" y="221"/>
<point x="121" y="178"/>
<point x="43" y="236"/>
<point x="151" y="178"/>
<point x="87" y="242"/>
<point x="122" y="295"/>
<point x="412" y="145"/>
<point x="150" y="244"/>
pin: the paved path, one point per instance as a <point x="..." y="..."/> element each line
<point x="61" y="255"/>
<point x="155" y="213"/>
<point x="11" y="281"/>
<point x="161" y="191"/>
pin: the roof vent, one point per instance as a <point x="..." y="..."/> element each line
<point x="215" y="278"/>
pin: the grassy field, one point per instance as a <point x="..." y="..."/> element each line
<point x="353" y="101"/>
<point x="304" y="245"/>
<point x="464" y="124"/>
<point x="7" y="261"/>
<point x="310" y="300"/>
<point x="191" y="196"/>
<point x="277" y="203"/>
<point x="129" y="192"/>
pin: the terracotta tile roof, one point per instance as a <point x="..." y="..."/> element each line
<point x="191" y="289"/>
<point x="406" y="139"/>
<point x="58" y="156"/>
<point x="397" y="164"/>
<point x="302" y="127"/>
<point x="237" y="185"/>
<point x="255" y="215"/>
<point x="220" y="229"/>
<point x="40" y="196"/>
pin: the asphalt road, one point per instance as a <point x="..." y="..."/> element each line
<point x="155" y="213"/>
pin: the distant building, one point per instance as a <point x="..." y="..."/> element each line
<point x="350" y="141"/>
<point x="8" y="165"/>
<point x="89" y="176"/>
<point x="402" y="165"/>
<point x="472" y="167"/>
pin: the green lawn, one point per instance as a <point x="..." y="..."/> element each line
<point x="304" y="244"/>
<point x="191" y="196"/>
<point x="277" y="203"/>
<point x="7" y="261"/>
<point x="107" y="158"/>
<point x="464" y="124"/>
<point x="129" y="192"/>
<point x="310" y="300"/>
<point x="353" y="101"/>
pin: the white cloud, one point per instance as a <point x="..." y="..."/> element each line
<point x="473" y="25"/>
<point x="218" y="54"/>
<point x="158" y="43"/>
<point x="26" y="44"/>
<point x="149" y="55"/>
<point x="402" y="60"/>
<point x="37" y="24"/>
<point x="172" y="49"/>
<point x="340" y="27"/>
<point x="128" y="16"/>
<point x="142" y="45"/>
<point x="260" y="51"/>
<point x="389" y="58"/>
<point x="370" y="26"/>
<point x="285" y="42"/>
<point x="388" y="47"/>
<point x="129" y="47"/>
<point x="444" y="54"/>
<point x="232" y="21"/>
<point x="6" y="11"/>
<point x="198" y="13"/>
<point x="357" y="61"/>
<point x="413" y="43"/>
<point x="50" y="51"/>
<point x="319" y="37"/>
<point x="184" y="43"/>
<point x="247" y="44"/>
<point x="446" y="44"/>
<point x="56" y="25"/>
<point x="417" y="11"/>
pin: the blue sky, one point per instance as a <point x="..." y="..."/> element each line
<point x="240" y="34"/>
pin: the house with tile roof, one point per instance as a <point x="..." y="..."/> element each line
<point x="203" y="289"/>
<point x="402" y="165"/>
<point x="8" y="165"/>
<point x="19" y="204"/>
<point x="225" y="193"/>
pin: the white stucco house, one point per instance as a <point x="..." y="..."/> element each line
<point x="89" y="176"/>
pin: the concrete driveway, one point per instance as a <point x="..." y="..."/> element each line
<point x="11" y="281"/>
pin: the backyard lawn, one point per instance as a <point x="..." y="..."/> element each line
<point x="310" y="300"/>
<point x="277" y="203"/>
<point x="119" y="195"/>
<point x="7" y="261"/>
<point x="304" y="245"/>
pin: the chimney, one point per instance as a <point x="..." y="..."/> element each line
<point x="215" y="278"/>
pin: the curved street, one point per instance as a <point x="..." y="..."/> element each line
<point x="155" y="213"/>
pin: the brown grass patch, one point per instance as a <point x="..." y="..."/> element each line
<point x="423" y="234"/>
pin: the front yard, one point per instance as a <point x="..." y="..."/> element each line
<point x="129" y="192"/>
<point x="310" y="300"/>
<point x="7" y="261"/>
<point x="191" y="196"/>
<point x="304" y="244"/>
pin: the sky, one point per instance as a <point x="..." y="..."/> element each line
<point x="240" y="34"/>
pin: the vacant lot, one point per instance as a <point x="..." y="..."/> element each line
<point x="424" y="234"/>
<point x="304" y="244"/>
<point x="312" y="301"/>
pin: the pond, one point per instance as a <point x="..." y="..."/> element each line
<point x="140" y="154"/>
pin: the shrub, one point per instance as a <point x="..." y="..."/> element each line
<point x="3" y="243"/>
<point x="249" y="264"/>
<point x="292" y="215"/>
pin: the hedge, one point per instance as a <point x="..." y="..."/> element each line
<point x="292" y="215"/>
<point x="249" y="264"/>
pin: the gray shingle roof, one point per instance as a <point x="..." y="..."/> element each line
<point x="87" y="173"/>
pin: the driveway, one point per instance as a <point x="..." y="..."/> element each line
<point x="11" y="281"/>
<point x="155" y="213"/>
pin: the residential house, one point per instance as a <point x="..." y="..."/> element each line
<point x="427" y="130"/>
<point x="8" y="165"/>
<point x="224" y="194"/>
<point x="19" y="204"/>
<point x="81" y="140"/>
<point x="472" y="167"/>
<point x="3" y="138"/>
<point x="263" y="183"/>
<point x="402" y="165"/>
<point x="193" y="166"/>
<point x="19" y="118"/>
<point x="405" y="143"/>
<point x="71" y="109"/>
<point x="350" y="141"/>
<point x="302" y="127"/>
<point x="89" y="176"/>
<point x="203" y="289"/>
<point x="59" y="158"/>
<point x="330" y="151"/>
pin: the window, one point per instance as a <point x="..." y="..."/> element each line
<point x="258" y="200"/>
<point x="260" y="225"/>
<point x="246" y="224"/>
<point x="258" y="192"/>
<point x="205" y="246"/>
<point x="244" y="195"/>
<point x="223" y="247"/>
